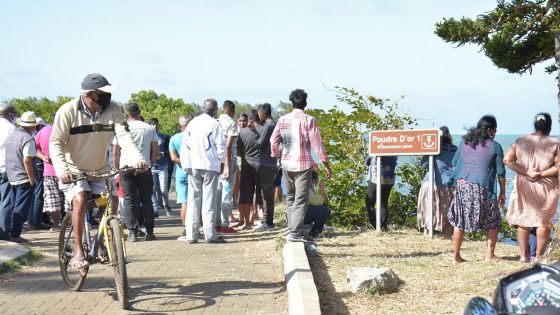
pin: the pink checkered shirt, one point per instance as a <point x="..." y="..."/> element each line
<point x="294" y="136"/>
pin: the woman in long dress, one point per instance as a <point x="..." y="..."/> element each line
<point x="443" y="195"/>
<point x="534" y="199"/>
<point x="476" y="205"/>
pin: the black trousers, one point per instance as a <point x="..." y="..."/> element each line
<point x="138" y="188"/>
<point x="371" y="196"/>
<point x="267" y="175"/>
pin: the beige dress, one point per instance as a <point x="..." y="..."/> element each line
<point x="534" y="204"/>
<point x="441" y="203"/>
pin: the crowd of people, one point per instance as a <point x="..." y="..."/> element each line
<point x="217" y="163"/>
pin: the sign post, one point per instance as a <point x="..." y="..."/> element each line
<point x="404" y="142"/>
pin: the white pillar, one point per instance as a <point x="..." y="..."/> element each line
<point x="378" y="195"/>
<point x="431" y="197"/>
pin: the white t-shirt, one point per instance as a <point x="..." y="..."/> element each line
<point x="6" y="129"/>
<point x="142" y="135"/>
<point x="229" y="129"/>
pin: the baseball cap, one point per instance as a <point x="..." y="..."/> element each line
<point x="95" y="81"/>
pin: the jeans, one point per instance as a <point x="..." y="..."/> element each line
<point x="6" y="207"/>
<point x="202" y="189"/>
<point x="371" y="200"/>
<point x="318" y="215"/>
<point x="224" y="198"/>
<point x="36" y="214"/>
<point x="22" y="199"/>
<point x="297" y="197"/>
<point x="138" y="187"/>
<point x="267" y="175"/>
<point x="159" y="178"/>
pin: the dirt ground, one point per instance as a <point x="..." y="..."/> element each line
<point x="431" y="283"/>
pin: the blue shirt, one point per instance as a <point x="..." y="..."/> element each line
<point x="443" y="164"/>
<point x="480" y="165"/>
<point x="175" y="145"/>
<point x="163" y="144"/>
<point x="388" y="167"/>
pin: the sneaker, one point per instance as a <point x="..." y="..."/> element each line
<point x="141" y="233"/>
<point x="167" y="211"/>
<point x="227" y="230"/>
<point x="132" y="236"/>
<point x="150" y="237"/>
<point x="261" y="227"/>
<point x="19" y="240"/>
<point x="300" y="238"/>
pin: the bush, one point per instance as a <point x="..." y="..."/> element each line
<point x="403" y="203"/>
<point x="346" y="140"/>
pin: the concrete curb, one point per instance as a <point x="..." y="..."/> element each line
<point x="302" y="292"/>
<point x="10" y="251"/>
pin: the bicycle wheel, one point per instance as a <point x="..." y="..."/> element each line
<point x="73" y="278"/>
<point x="118" y="263"/>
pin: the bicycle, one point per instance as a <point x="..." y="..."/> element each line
<point x="110" y="233"/>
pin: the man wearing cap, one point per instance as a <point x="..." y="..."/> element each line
<point x="20" y="171"/>
<point x="202" y="156"/>
<point x="82" y="132"/>
<point x="7" y="120"/>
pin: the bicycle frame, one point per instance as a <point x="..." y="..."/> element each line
<point x="93" y="246"/>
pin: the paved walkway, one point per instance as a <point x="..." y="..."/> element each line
<point x="244" y="276"/>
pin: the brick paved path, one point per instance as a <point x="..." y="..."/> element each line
<point x="243" y="276"/>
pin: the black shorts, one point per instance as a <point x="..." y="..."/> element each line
<point x="249" y="183"/>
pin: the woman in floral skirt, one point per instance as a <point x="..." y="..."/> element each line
<point x="476" y="205"/>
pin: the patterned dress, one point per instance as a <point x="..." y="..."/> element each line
<point x="533" y="204"/>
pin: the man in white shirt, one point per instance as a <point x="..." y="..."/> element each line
<point x="224" y="195"/>
<point x="7" y="118"/>
<point x="138" y="186"/>
<point x="202" y="157"/>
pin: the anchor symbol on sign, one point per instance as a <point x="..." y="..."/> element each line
<point x="427" y="142"/>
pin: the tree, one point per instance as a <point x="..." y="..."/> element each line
<point x="516" y="35"/>
<point x="42" y="107"/>
<point x="166" y="109"/>
<point x="346" y="140"/>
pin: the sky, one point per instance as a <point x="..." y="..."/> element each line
<point x="258" y="51"/>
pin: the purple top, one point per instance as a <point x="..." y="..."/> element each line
<point x="480" y="165"/>
<point x="42" y="142"/>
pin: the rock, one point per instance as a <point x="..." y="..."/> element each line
<point x="372" y="279"/>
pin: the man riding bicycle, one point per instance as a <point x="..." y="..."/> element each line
<point x="81" y="136"/>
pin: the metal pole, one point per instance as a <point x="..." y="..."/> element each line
<point x="378" y="196"/>
<point x="431" y="197"/>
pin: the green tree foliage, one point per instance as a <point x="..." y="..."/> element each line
<point x="403" y="202"/>
<point x="516" y="35"/>
<point x="346" y="140"/>
<point x="166" y="109"/>
<point x="42" y="107"/>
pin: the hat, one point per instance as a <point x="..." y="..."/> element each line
<point x="40" y="121"/>
<point x="27" y="119"/>
<point x="95" y="81"/>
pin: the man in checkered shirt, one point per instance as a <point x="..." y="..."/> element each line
<point x="293" y="138"/>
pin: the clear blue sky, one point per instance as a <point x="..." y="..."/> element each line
<point x="258" y="51"/>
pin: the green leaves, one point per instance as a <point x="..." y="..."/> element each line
<point x="516" y="35"/>
<point x="166" y="109"/>
<point x="345" y="135"/>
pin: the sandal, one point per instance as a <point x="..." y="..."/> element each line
<point x="78" y="262"/>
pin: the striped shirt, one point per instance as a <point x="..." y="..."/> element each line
<point x="293" y="138"/>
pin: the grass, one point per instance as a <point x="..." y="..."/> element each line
<point x="20" y="262"/>
<point x="431" y="284"/>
